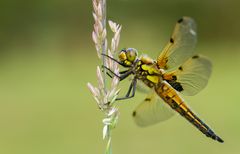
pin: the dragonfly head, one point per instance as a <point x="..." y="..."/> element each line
<point x="128" y="56"/>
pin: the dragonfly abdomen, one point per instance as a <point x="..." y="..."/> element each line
<point x="171" y="97"/>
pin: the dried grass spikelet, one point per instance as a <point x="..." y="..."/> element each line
<point x="105" y="97"/>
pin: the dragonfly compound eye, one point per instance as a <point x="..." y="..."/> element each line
<point x="131" y="54"/>
<point x="122" y="56"/>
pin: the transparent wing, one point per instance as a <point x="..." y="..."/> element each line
<point x="181" y="45"/>
<point x="141" y="87"/>
<point x="191" y="77"/>
<point x="152" y="110"/>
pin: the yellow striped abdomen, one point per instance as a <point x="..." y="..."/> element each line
<point x="172" y="98"/>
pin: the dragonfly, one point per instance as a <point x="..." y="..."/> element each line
<point x="177" y="71"/>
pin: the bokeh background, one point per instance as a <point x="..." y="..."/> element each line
<point x="47" y="57"/>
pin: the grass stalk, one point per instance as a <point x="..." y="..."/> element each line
<point x="103" y="95"/>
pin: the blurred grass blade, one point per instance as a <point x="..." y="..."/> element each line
<point x="108" y="148"/>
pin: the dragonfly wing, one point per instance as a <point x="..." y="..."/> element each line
<point x="152" y="110"/>
<point x="191" y="77"/>
<point x="141" y="87"/>
<point x="181" y="45"/>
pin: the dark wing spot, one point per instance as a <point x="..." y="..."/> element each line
<point x="171" y="40"/>
<point x="178" y="86"/>
<point x="134" y="113"/>
<point x="174" y="77"/>
<point x="180" y="20"/>
<point x="175" y="85"/>
<point x="147" y="99"/>
<point x="180" y="68"/>
<point x="195" y="57"/>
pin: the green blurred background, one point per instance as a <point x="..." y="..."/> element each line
<point x="47" y="57"/>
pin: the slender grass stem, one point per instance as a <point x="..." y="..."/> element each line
<point x="103" y="95"/>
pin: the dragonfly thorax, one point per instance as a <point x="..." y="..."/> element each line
<point x="144" y="68"/>
<point x="147" y="71"/>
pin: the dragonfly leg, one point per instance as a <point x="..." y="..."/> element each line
<point x="110" y="71"/>
<point x="132" y="88"/>
<point x="122" y="76"/>
<point x="120" y="63"/>
<point x="122" y="72"/>
<point x="109" y="75"/>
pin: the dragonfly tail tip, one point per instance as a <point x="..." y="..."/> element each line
<point x="219" y="140"/>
